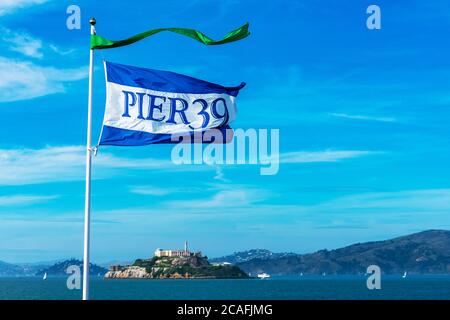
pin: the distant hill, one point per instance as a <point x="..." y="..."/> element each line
<point x="244" y="256"/>
<point x="427" y="252"/>
<point x="39" y="268"/>
<point x="9" y="270"/>
<point x="19" y="270"/>
<point x="59" y="268"/>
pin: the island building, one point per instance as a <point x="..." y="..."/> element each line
<point x="165" y="253"/>
<point x="116" y="268"/>
<point x="176" y="253"/>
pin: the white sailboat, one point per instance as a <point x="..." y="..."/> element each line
<point x="404" y="275"/>
<point x="45" y="276"/>
<point x="263" y="275"/>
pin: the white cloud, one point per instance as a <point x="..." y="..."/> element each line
<point x="23" y="200"/>
<point x="362" y="117"/>
<point x="405" y="200"/>
<point x="51" y="164"/>
<point x="21" y="80"/>
<point x="153" y="191"/>
<point x="28" y="166"/>
<point x="23" y="43"/>
<point x="8" y="6"/>
<point x="229" y="197"/>
<point x="220" y="176"/>
<point x="360" y="210"/>
<point x="322" y="156"/>
<point x="60" y="51"/>
<point x="28" y="45"/>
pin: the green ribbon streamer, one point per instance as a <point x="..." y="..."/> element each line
<point x="98" y="42"/>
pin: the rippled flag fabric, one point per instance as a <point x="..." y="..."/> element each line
<point x="146" y="106"/>
<point x="240" y="33"/>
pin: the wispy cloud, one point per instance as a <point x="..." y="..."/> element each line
<point x="51" y="164"/>
<point x="22" y="200"/>
<point x="23" y="43"/>
<point x="21" y="80"/>
<point x="405" y="200"/>
<point x="60" y="51"/>
<point x="29" y="166"/>
<point x="252" y="203"/>
<point x="220" y="175"/>
<point x="323" y="156"/>
<point x="390" y="208"/>
<point x="28" y="45"/>
<point x="363" y="117"/>
<point x="154" y="191"/>
<point x="230" y="196"/>
<point x="8" y="6"/>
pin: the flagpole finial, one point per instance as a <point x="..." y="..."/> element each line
<point x="92" y="21"/>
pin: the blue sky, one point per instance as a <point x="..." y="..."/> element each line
<point x="363" y="118"/>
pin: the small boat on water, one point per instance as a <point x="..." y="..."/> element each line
<point x="263" y="275"/>
<point x="45" y="276"/>
<point x="404" y="275"/>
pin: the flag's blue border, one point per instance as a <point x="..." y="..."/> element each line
<point x="165" y="81"/>
<point x="123" y="137"/>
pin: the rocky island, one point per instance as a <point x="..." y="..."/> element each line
<point x="176" y="264"/>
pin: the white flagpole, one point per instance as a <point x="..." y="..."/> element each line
<point x="87" y="203"/>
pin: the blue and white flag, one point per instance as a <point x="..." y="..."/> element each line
<point x="145" y="106"/>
